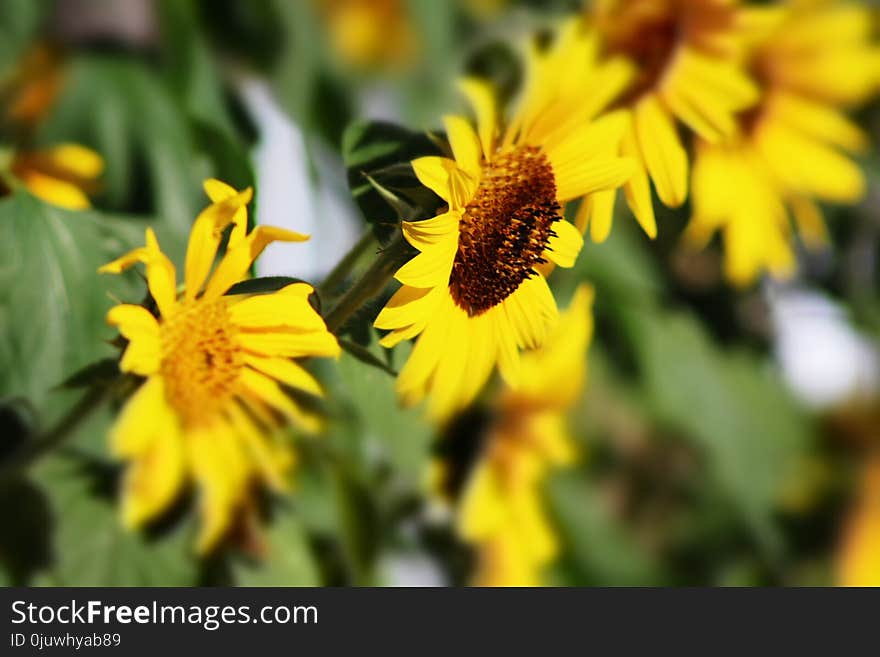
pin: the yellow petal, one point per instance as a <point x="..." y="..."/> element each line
<point x="76" y="160"/>
<point x="447" y="386"/>
<point x="218" y="191"/>
<point x="276" y="310"/>
<point x="563" y="248"/>
<point x="425" y="234"/>
<point x="220" y="468"/>
<point x="272" y="457"/>
<point x="661" y="148"/>
<point x="464" y="143"/>
<point x="599" y="210"/>
<point x="161" y="276"/>
<point x="290" y="344"/>
<point x="532" y="311"/>
<point x="143" y="353"/>
<point x="56" y="191"/>
<point x="482" y="99"/>
<point x="160" y="272"/>
<point x="483" y="508"/>
<point x="204" y="238"/>
<point x="286" y="371"/>
<point x="434" y="172"/>
<point x="267" y="390"/>
<point x="409" y="305"/>
<point x="148" y="434"/>
<point x="429" y="268"/>
<point x="238" y="260"/>
<point x="637" y="189"/>
<point x="135" y="425"/>
<point x="593" y="176"/>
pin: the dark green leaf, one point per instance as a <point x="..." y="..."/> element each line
<point x="262" y="285"/>
<point x="18" y="424"/>
<point x="92" y="548"/>
<point x="25" y="545"/>
<point x="101" y="372"/>
<point x="382" y="182"/>
<point x="52" y="299"/>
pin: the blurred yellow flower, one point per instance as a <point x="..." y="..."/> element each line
<point x="31" y="91"/>
<point x="686" y="56"/>
<point x="211" y="406"/>
<point x="501" y="512"/>
<point x="476" y="292"/>
<point x="369" y="33"/>
<point x="858" y="563"/>
<point x="62" y="174"/>
<point x="789" y="150"/>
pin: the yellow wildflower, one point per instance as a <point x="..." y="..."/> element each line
<point x="501" y="511"/>
<point x="789" y="150"/>
<point x="211" y="406"/>
<point x="476" y="293"/>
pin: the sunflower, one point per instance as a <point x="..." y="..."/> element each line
<point x="686" y="54"/>
<point x="476" y="292"/>
<point x="370" y="34"/>
<point x="211" y="407"/>
<point x="789" y="151"/>
<point x="501" y="511"/>
<point x="63" y="175"/>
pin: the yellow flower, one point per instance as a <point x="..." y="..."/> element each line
<point x="789" y="150"/>
<point x="211" y="404"/>
<point x="61" y="175"/>
<point x="686" y="54"/>
<point x="858" y="563"/>
<point x="501" y="512"/>
<point x="369" y="33"/>
<point x="476" y="293"/>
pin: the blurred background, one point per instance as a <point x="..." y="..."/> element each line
<point x="726" y="437"/>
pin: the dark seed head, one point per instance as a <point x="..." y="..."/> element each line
<point x="504" y="229"/>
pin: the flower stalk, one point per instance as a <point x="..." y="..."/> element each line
<point x="339" y="273"/>
<point x="65" y="427"/>
<point x="369" y="285"/>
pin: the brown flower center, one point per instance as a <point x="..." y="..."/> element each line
<point x="504" y="229"/>
<point x="200" y="360"/>
<point x="648" y="38"/>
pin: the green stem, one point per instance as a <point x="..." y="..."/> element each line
<point x="336" y="277"/>
<point x="369" y="285"/>
<point x="65" y="427"/>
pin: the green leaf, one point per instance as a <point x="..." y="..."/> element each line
<point x="52" y="299"/>
<point x="731" y="406"/>
<point x="288" y="562"/>
<point x="382" y="182"/>
<point x="599" y="547"/>
<point x="123" y="109"/>
<point x="91" y="548"/>
<point x="19" y="22"/>
<point x="25" y="540"/>
<point x="262" y="285"/>
<point x="101" y="372"/>
<point x="402" y="434"/>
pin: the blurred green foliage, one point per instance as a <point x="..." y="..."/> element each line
<point x="690" y="441"/>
